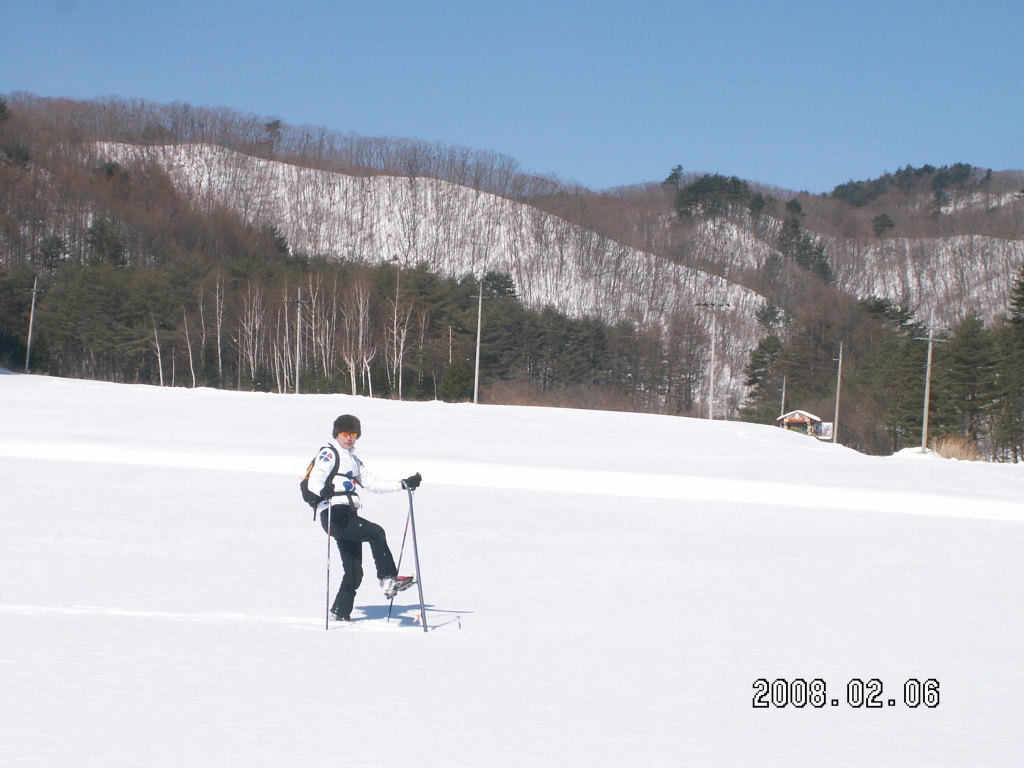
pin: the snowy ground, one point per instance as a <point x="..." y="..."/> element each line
<point x="603" y="589"/>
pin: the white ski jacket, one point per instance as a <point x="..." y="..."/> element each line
<point x="352" y="476"/>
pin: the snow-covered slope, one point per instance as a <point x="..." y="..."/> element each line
<point x="602" y="589"/>
<point x="454" y="229"/>
<point x="949" y="277"/>
<point x="458" y="230"/>
<point x="945" y="277"/>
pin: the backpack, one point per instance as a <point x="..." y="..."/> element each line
<point x="307" y="495"/>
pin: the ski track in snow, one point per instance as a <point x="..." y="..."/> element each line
<point x="79" y="610"/>
<point x="402" y="616"/>
<point x="566" y="480"/>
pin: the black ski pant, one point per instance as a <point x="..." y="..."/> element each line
<point x="350" y="531"/>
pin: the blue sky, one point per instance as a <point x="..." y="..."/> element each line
<point x="801" y="95"/>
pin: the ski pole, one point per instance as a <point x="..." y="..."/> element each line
<point x="401" y="552"/>
<point x="327" y="604"/>
<point x="416" y="560"/>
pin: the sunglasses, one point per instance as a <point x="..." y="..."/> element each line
<point x="347" y="435"/>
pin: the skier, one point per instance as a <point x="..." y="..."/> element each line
<point x="339" y="504"/>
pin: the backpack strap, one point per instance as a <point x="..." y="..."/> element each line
<point x="337" y="461"/>
<point x="328" y="489"/>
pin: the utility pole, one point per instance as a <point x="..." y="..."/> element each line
<point x="839" y="386"/>
<point x="928" y="377"/>
<point x="394" y="329"/>
<point x="298" y="335"/>
<point x="782" y="407"/>
<point x="31" y="321"/>
<point x="712" y="305"/>
<point x="479" y="326"/>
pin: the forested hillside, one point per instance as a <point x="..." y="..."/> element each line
<point x="182" y="246"/>
<point x="621" y="327"/>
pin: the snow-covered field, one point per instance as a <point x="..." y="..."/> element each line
<point x="602" y="589"/>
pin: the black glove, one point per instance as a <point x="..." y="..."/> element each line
<point x="412" y="483"/>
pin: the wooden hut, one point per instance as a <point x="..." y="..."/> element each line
<point x="800" y="421"/>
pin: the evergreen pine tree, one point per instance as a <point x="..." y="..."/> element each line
<point x="1016" y="315"/>
<point x="970" y="369"/>
<point x="457" y="382"/>
<point x="762" y="405"/>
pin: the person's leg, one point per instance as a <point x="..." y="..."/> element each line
<point x="358" y="529"/>
<point x="351" y="578"/>
<point x="351" y="552"/>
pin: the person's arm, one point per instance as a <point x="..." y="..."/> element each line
<point x="371" y="481"/>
